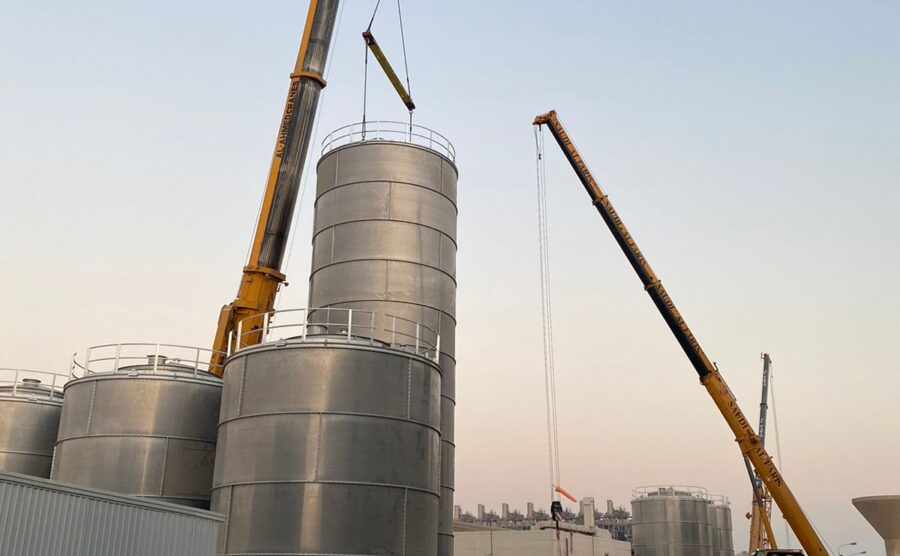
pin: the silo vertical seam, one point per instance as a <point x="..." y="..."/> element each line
<point x="318" y="447"/>
<point x="162" y="481"/>
<point x="240" y="403"/>
<point x="91" y="410"/>
<point x="333" y="233"/>
<point x="408" y="388"/>
<point x="405" y="509"/>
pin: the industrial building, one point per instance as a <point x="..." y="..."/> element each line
<point x="533" y="533"/>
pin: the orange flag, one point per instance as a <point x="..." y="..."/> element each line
<point x="563" y="491"/>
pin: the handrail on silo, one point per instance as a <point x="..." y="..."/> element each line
<point x="670" y="491"/>
<point x="133" y="358"/>
<point x="31" y="384"/>
<point x="339" y="324"/>
<point x="386" y="130"/>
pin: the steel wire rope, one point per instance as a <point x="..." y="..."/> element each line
<point x="304" y="180"/>
<point x="787" y="529"/>
<point x="547" y="320"/>
<point x="405" y="62"/>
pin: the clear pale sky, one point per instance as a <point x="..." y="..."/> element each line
<point x="752" y="148"/>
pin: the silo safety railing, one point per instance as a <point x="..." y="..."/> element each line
<point x="670" y="491"/>
<point x="142" y="358"/>
<point x="382" y="130"/>
<point x="336" y="324"/>
<point x="32" y="385"/>
<point x="719" y="500"/>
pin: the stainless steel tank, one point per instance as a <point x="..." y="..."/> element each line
<point x="329" y="442"/>
<point x="384" y="240"/>
<point x="142" y="428"/>
<point x="671" y="521"/>
<point x="30" y="406"/>
<point x="720" y="523"/>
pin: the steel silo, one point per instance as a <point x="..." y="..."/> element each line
<point x="720" y="522"/>
<point x="671" y="521"/>
<point x="30" y="406"/>
<point x="384" y="240"/>
<point x="141" y="419"/>
<point x="329" y="438"/>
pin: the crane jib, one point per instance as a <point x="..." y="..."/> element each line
<point x="629" y="246"/>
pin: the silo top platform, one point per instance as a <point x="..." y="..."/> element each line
<point x="164" y="360"/>
<point x="389" y="132"/>
<point x="32" y="385"/>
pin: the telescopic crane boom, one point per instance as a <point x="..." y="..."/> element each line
<point x="262" y="276"/>
<point x="747" y="439"/>
<point x="761" y="535"/>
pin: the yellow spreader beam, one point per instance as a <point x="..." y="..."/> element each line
<point x="388" y="70"/>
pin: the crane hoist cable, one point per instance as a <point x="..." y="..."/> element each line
<point x="372" y="45"/>
<point x="547" y="321"/>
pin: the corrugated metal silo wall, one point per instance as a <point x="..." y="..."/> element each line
<point x="384" y="240"/>
<point x="39" y="517"/>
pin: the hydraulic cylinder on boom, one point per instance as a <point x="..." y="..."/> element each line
<point x="748" y="441"/>
<point x="262" y="276"/>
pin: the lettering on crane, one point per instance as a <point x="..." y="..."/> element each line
<point x="286" y="120"/>
<point x="635" y="252"/>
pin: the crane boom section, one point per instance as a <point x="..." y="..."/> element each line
<point x="262" y="275"/>
<point x="722" y="396"/>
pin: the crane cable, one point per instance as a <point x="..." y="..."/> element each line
<point x="547" y="318"/>
<point x="405" y="62"/>
<point x="366" y="65"/>
<point x="787" y="530"/>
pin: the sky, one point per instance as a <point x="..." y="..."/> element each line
<point x="751" y="148"/>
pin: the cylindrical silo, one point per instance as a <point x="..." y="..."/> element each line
<point x="720" y="522"/>
<point x="671" y="521"/>
<point x="384" y="240"/>
<point x="330" y="444"/>
<point x="30" y="406"/>
<point x="142" y="428"/>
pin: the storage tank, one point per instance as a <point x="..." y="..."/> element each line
<point x="384" y="240"/>
<point x="141" y="424"/>
<point x="30" y="406"/>
<point x="329" y="438"/>
<point x="720" y="523"/>
<point x="883" y="514"/>
<point x="671" y="521"/>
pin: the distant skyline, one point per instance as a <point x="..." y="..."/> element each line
<point x="752" y="150"/>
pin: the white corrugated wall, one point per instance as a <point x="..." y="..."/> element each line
<point x="40" y="518"/>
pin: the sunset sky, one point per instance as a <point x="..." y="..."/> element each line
<point x="753" y="149"/>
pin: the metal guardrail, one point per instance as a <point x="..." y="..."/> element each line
<point x="32" y="385"/>
<point x="384" y="130"/>
<point x="670" y="491"/>
<point x="348" y="325"/>
<point x="142" y="358"/>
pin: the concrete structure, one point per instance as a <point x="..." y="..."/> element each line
<point x="143" y="428"/>
<point x="30" y="407"/>
<point x="883" y="514"/>
<point x="671" y="521"/>
<point x="474" y="541"/>
<point x="41" y="517"/>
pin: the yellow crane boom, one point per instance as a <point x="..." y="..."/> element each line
<point x="262" y="275"/>
<point x="747" y="439"/>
